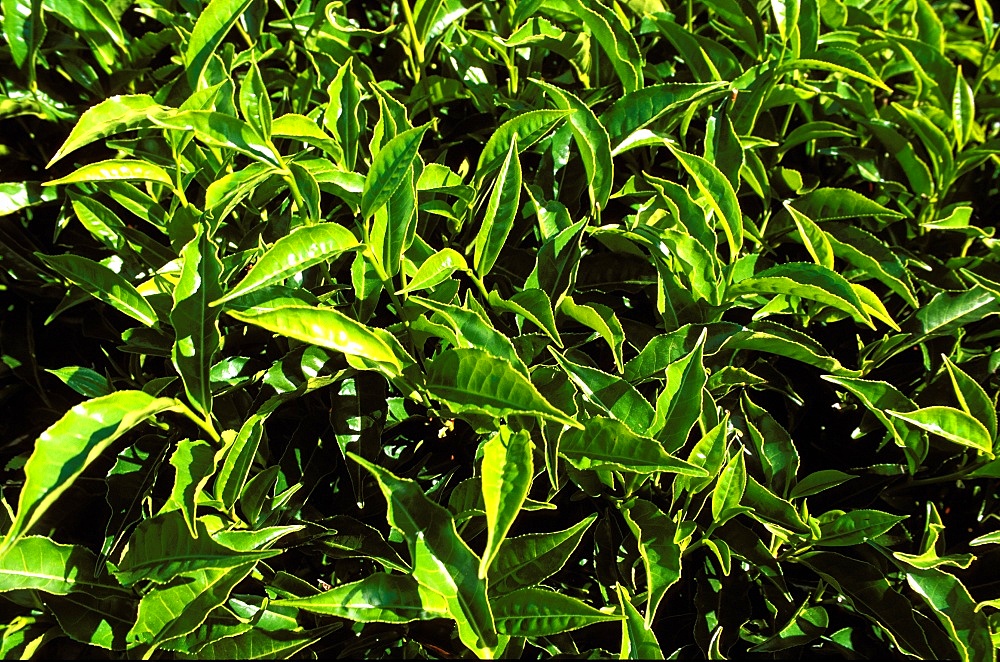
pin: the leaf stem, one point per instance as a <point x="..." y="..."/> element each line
<point x="418" y="46"/>
<point x="203" y="423"/>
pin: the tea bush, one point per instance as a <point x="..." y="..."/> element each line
<point x="539" y="328"/>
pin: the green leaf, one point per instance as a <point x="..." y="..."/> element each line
<point x="220" y="130"/>
<point x="709" y="454"/>
<point x="813" y="237"/>
<point x="855" y="527"/>
<point x="435" y="270"/>
<point x="539" y="612"/>
<point x="300" y="127"/>
<point x="530" y="559"/>
<point x="615" y="397"/>
<point x="102" y="283"/>
<point x="64" y="450"/>
<point x="638" y="109"/>
<point x="232" y="476"/>
<point x="819" y="481"/>
<point x="394" y="225"/>
<point x="988" y="539"/>
<point x="592" y="141"/>
<point x="507" y="471"/>
<point x="774" y="338"/>
<point x="661" y="555"/>
<point x="442" y="561"/>
<point x="111" y="116"/>
<point x="389" y="169"/>
<point x="600" y="318"/>
<point x="15" y="196"/>
<point x="88" y="383"/>
<point x="24" y="29"/>
<point x="963" y="110"/>
<point x="614" y="38"/>
<point x="500" y="212"/>
<point x="638" y="641"/>
<point x="115" y="170"/>
<point x="972" y="398"/>
<point x="839" y="61"/>
<point x="472" y="380"/>
<point x="767" y="506"/>
<point x="255" y="101"/>
<point x="344" y="114"/>
<point x="98" y="618"/>
<point x="525" y="129"/>
<point x="162" y="548"/>
<point x="39" y="564"/>
<point x="871" y="255"/>
<point x="196" y="325"/>
<point x="179" y="607"/>
<point x="879" y="397"/>
<point x="968" y="628"/>
<point x="534" y="306"/>
<point x="729" y="490"/>
<point x="378" y="598"/>
<point x="828" y="204"/>
<point x="678" y="406"/>
<point x="719" y="195"/>
<point x="472" y="330"/>
<point x="808" y="281"/>
<point x="304" y="247"/>
<point x="324" y="327"/>
<point x="606" y="443"/>
<point x="952" y="424"/>
<point x="194" y="464"/>
<point x="211" y="28"/>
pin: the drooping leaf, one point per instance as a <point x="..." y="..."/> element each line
<point x="967" y="627"/>
<point x="719" y="195"/>
<point x="102" y="283"/>
<point x="600" y="318"/>
<point x="193" y="463"/>
<point x="592" y="141"/>
<point x="64" y="450"/>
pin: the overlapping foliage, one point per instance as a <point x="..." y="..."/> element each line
<point x="517" y="329"/>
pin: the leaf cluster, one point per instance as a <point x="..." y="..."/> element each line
<point x="537" y="328"/>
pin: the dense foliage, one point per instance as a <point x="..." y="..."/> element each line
<point x="501" y="329"/>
